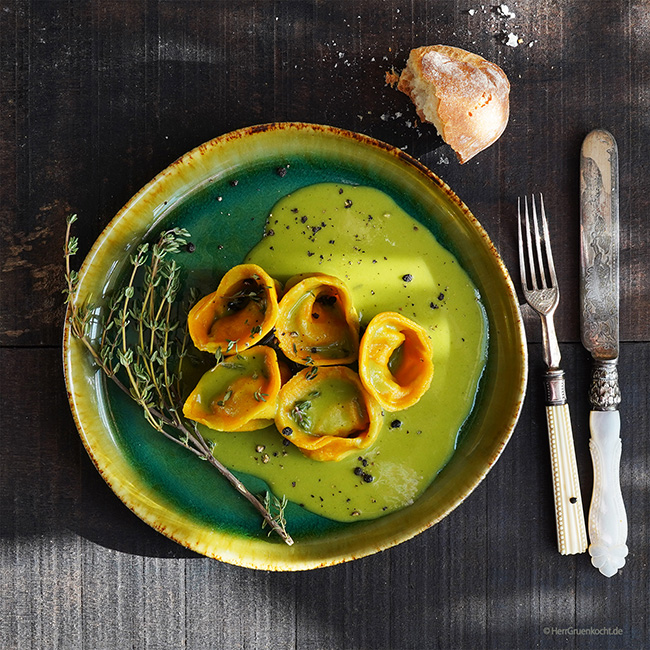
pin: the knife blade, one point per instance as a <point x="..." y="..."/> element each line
<point x="599" y="324"/>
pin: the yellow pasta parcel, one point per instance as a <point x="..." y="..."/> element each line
<point x="327" y="414"/>
<point x="395" y="360"/>
<point x="238" y="394"/>
<point x="239" y="314"/>
<point x="317" y="322"/>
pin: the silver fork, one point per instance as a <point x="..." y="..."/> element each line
<point x="542" y="293"/>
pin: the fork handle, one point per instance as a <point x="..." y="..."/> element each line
<point x="569" y="515"/>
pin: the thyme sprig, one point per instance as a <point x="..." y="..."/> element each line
<point x="141" y="346"/>
<point x="300" y="414"/>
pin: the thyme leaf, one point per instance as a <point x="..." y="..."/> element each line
<point x="232" y="366"/>
<point x="226" y="397"/>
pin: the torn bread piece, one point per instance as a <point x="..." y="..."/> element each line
<point x="465" y="96"/>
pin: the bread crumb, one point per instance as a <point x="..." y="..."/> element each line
<point x="391" y="77"/>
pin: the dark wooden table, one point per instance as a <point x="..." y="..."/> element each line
<point x="98" y="97"/>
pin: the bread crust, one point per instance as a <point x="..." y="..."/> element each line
<point x="464" y="95"/>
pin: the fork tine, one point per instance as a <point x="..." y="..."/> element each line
<point x="522" y="257"/>
<point x="547" y="243"/>
<point x="529" y="242"/>
<point x="538" y="246"/>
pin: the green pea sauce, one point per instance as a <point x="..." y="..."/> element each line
<point x="390" y="262"/>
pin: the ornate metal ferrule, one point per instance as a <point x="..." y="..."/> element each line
<point x="604" y="392"/>
<point x="555" y="388"/>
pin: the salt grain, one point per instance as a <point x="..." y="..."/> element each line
<point x="511" y="40"/>
<point x="504" y="11"/>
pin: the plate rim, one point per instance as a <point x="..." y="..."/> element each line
<point x="224" y="538"/>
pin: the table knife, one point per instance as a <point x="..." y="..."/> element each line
<point x="599" y="297"/>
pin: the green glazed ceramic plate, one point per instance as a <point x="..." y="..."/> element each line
<point x="181" y="496"/>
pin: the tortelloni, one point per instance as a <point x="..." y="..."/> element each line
<point x="317" y="322"/>
<point x="239" y="314"/>
<point x="395" y="361"/>
<point x="238" y="394"/>
<point x="327" y="413"/>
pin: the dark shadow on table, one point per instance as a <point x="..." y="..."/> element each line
<point x="48" y="482"/>
<point x="100" y="517"/>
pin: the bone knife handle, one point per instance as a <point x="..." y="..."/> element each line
<point x="607" y="518"/>
<point x="569" y="515"/>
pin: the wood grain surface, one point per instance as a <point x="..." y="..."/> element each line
<point x="97" y="98"/>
